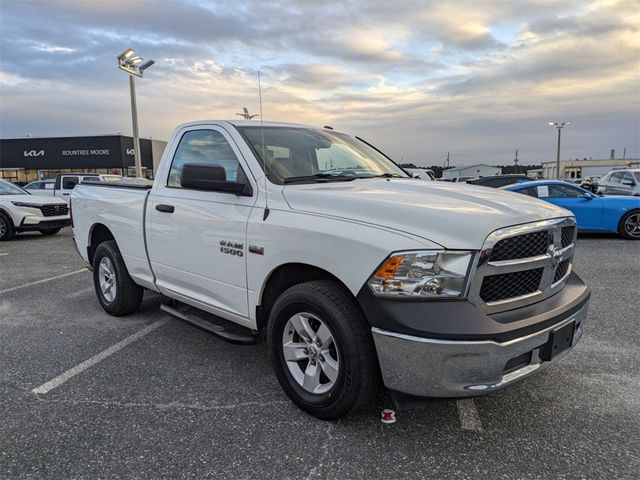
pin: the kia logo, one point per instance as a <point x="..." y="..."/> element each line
<point x="130" y="151"/>
<point x="33" y="153"/>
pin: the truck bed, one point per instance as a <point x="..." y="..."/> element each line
<point x="121" y="208"/>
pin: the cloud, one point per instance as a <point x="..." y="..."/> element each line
<point x="419" y="78"/>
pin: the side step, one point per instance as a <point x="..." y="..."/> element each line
<point x="184" y="313"/>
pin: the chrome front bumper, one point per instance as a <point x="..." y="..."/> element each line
<point x="449" y="368"/>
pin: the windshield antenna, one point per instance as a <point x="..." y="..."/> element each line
<point x="264" y="156"/>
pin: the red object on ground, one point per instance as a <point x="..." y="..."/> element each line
<point x="388" y="416"/>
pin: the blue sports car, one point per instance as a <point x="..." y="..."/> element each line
<point x="619" y="214"/>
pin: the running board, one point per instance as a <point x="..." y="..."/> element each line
<point x="209" y="326"/>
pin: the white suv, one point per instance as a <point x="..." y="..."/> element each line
<point x="22" y="212"/>
<point x="621" y="182"/>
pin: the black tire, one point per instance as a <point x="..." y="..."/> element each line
<point x="50" y="231"/>
<point x="7" y="232"/>
<point x="622" y="226"/>
<point x="128" y="295"/>
<point x="358" y="374"/>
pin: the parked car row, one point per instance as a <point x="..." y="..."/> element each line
<point x="64" y="183"/>
<point x="612" y="213"/>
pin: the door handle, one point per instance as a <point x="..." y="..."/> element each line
<point x="165" y="208"/>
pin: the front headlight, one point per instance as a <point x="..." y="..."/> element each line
<point x="23" y="204"/>
<point x="424" y="274"/>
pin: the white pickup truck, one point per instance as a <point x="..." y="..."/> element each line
<point x="351" y="270"/>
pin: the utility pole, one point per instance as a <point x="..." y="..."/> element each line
<point x="447" y="159"/>
<point x="134" y="65"/>
<point x="624" y="153"/>
<point x="559" y="126"/>
<point x="515" y="162"/>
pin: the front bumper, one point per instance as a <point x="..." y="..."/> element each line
<point x="450" y="368"/>
<point x="454" y="350"/>
<point x="35" y="223"/>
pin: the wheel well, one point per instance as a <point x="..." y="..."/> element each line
<point x="99" y="233"/>
<point x="633" y="210"/>
<point x="282" y="278"/>
<point x="6" y="214"/>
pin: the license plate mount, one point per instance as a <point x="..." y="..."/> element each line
<point x="560" y="340"/>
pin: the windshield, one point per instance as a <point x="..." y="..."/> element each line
<point x="7" y="188"/>
<point x="309" y="155"/>
<point x="637" y="175"/>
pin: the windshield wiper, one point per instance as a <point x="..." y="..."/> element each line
<point x="387" y="175"/>
<point x="320" y="176"/>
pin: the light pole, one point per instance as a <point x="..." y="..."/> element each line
<point x="559" y="126"/>
<point x="134" y="65"/>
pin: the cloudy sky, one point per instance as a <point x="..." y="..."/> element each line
<point x="417" y="78"/>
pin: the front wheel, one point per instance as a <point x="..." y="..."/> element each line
<point x="7" y="231"/>
<point x="629" y="226"/>
<point x="117" y="292"/>
<point x="322" y="351"/>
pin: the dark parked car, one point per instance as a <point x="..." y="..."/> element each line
<point x="497" y="181"/>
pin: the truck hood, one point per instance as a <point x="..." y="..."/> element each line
<point x="35" y="199"/>
<point x="456" y="216"/>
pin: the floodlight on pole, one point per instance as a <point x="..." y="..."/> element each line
<point x="559" y="126"/>
<point x="135" y="66"/>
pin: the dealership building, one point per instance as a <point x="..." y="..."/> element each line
<point x="33" y="158"/>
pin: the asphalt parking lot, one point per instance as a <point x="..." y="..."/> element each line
<point x="166" y="400"/>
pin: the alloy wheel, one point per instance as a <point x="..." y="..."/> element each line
<point x="310" y="352"/>
<point x="107" y="278"/>
<point x="632" y="225"/>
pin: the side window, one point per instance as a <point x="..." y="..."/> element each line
<point x="35" y="186"/>
<point x="564" y="191"/>
<point x="90" y="179"/>
<point x="69" y="182"/>
<point x="204" y="146"/>
<point x="531" y="191"/>
<point x="48" y="185"/>
<point x="627" y="177"/>
<point x="615" y="178"/>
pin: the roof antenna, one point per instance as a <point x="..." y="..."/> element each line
<point x="264" y="156"/>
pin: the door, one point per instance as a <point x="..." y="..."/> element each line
<point x="197" y="239"/>
<point x="627" y="184"/>
<point x="586" y="207"/>
<point x="67" y="184"/>
<point x="612" y="185"/>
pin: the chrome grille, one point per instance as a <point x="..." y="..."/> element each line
<point x="523" y="264"/>
<point x="54" y="210"/>
<point x="510" y="285"/>
<point x="521" y="246"/>
<point x="562" y="270"/>
<point x="567" y="235"/>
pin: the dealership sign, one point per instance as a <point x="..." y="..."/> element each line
<point x="33" y="153"/>
<point x="100" y="151"/>
<point x="68" y="153"/>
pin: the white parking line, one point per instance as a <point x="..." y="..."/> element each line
<point x="3" y="254"/>
<point x="81" y="367"/>
<point x="7" y="290"/>
<point x="469" y="417"/>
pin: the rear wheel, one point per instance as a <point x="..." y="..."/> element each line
<point x="50" y="231"/>
<point x="7" y="231"/>
<point x="629" y="226"/>
<point x="322" y="351"/>
<point x="117" y="293"/>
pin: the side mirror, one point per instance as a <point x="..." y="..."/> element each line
<point x="628" y="183"/>
<point x="587" y="196"/>
<point x="213" y="178"/>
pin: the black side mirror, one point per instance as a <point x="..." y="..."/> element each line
<point x="628" y="183"/>
<point x="213" y="178"/>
